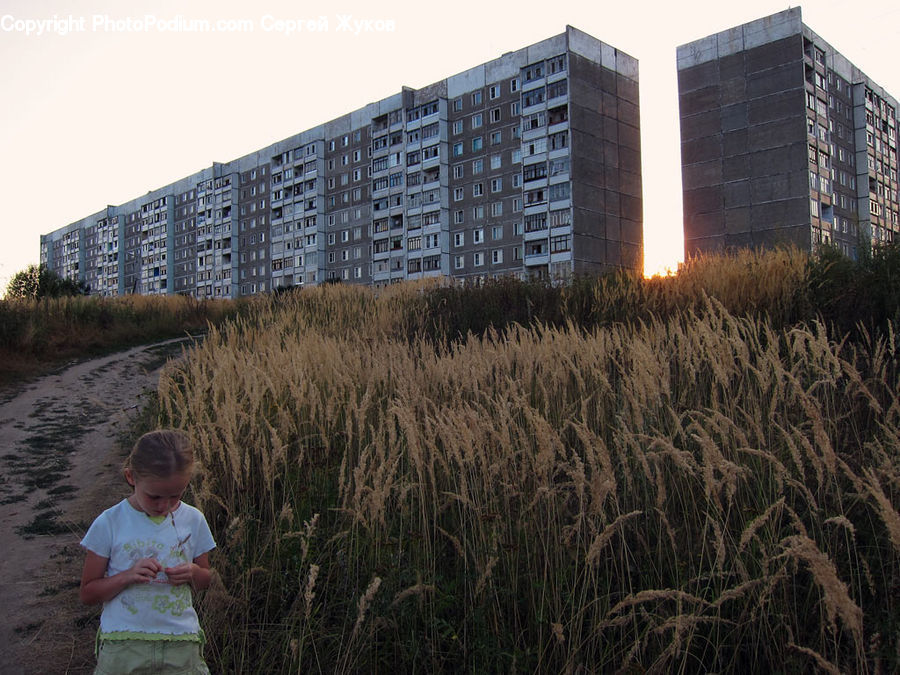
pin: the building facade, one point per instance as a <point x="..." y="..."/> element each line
<point x="527" y="165"/>
<point x="783" y="141"/>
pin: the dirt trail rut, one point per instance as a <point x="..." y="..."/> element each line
<point x="59" y="467"/>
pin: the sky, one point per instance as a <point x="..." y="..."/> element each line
<point x="104" y="101"/>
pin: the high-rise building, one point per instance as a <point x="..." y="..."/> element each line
<point x="526" y="165"/>
<point x="783" y="141"/>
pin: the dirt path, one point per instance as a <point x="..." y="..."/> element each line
<point x="59" y="467"/>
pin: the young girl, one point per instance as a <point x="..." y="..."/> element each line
<point x="144" y="555"/>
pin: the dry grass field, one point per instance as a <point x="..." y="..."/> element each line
<point x="678" y="475"/>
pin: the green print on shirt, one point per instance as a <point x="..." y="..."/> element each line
<point x="175" y="603"/>
<point x="129" y="605"/>
<point x="143" y="547"/>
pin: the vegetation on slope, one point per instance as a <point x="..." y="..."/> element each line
<point x="698" y="473"/>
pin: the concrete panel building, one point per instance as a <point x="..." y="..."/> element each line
<point x="527" y="165"/>
<point x="783" y="141"/>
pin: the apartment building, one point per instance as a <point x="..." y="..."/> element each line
<point x="527" y="165"/>
<point x="783" y="141"/>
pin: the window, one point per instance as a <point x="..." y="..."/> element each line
<point x="559" y="244"/>
<point x="477" y="166"/>
<point x="477" y="144"/>
<point x="559" y="166"/>
<point x="457" y="149"/>
<point x="459" y="217"/>
<point x="477" y="189"/>
<point x="478" y="259"/>
<point x="534" y="72"/>
<point x="496" y="161"/>
<point x="559" y="191"/>
<point x="458" y="262"/>
<point x="493" y="92"/>
<point x="559" y="140"/>
<point x="556" y="64"/>
<point x="459" y="238"/>
<point x="458" y="127"/>
<point x="458" y="171"/>
<point x="514" y="85"/>
<point x="533" y="97"/>
<point x="560" y="218"/>
<point x="558" y="115"/>
<point x="514" y="108"/>
<point x="536" y="222"/>
<point x="458" y="194"/>
<point x="496" y="137"/>
<point x="536" y="248"/>
<point x="477" y="120"/>
<point x="497" y="209"/>
<point x="496" y="184"/>
<point x="497" y="256"/>
<point x="495" y="115"/>
<point x="497" y="232"/>
<point x="535" y="147"/>
<point x="457" y="105"/>
<point x="478" y="213"/>
<point x="532" y="172"/>
<point x="476" y="98"/>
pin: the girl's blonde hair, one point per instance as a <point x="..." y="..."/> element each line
<point x="161" y="454"/>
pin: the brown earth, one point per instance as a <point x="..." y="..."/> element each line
<point x="62" y="440"/>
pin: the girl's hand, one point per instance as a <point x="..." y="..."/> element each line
<point x="195" y="573"/>
<point x="96" y="587"/>
<point x="181" y="574"/>
<point x="144" y="571"/>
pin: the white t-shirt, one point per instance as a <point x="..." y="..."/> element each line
<point x="125" y="535"/>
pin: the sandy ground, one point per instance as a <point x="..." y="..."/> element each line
<point x="60" y="455"/>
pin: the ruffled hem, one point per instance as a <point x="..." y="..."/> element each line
<point x="135" y="635"/>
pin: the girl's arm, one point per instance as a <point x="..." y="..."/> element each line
<point x="97" y="588"/>
<point x="196" y="573"/>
